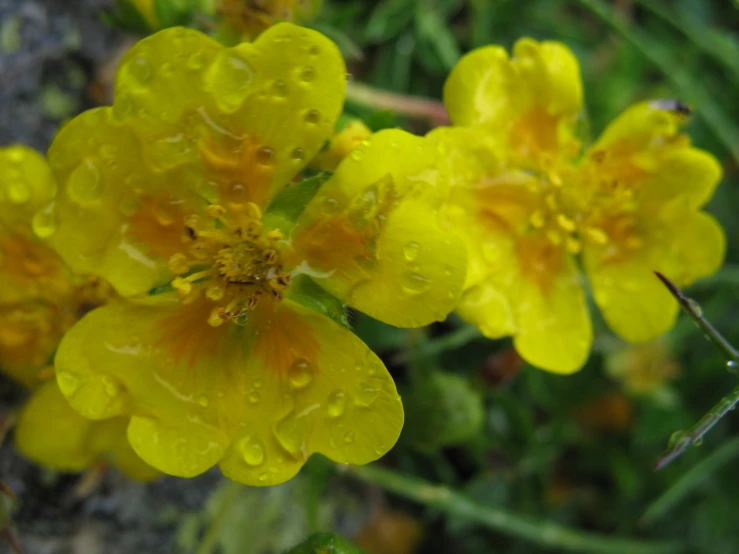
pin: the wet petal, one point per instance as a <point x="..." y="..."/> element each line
<point x="165" y="366"/>
<point x="372" y="236"/>
<point x="683" y="245"/>
<point x="26" y="184"/>
<point x="314" y="387"/>
<point x="262" y="395"/>
<point x="533" y="98"/>
<point x="193" y="122"/>
<point x="643" y="150"/>
<point x="52" y="434"/>
<point x="554" y="325"/>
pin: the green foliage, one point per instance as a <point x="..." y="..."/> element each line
<point x="325" y="543"/>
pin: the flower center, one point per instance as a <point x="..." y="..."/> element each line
<point x="232" y="262"/>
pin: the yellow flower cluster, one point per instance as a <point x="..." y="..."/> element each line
<point x="530" y="203"/>
<point x="222" y="336"/>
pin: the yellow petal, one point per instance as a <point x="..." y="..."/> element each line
<point x="643" y="150"/>
<point x="26" y="184"/>
<point x="532" y="98"/>
<point x="192" y="122"/>
<point x="52" y="434"/>
<point x="683" y="245"/>
<point x="342" y="143"/>
<point x="163" y="364"/>
<point x="372" y="236"/>
<point x="554" y="325"/>
<point x="329" y="395"/>
<point x="265" y="396"/>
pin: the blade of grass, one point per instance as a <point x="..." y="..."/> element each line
<point x="688" y="88"/>
<point x="714" y="43"/>
<point x="542" y="533"/>
<point x="726" y="453"/>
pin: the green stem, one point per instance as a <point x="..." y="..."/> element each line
<point x="543" y="533"/>
<point x="421" y="108"/>
<point x="212" y="532"/>
<point x="432" y="348"/>
<point x="682" y="440"/>
<point x="698" y="474"/>
<point x="686" y="86"/>
<point x="692" y="308"/>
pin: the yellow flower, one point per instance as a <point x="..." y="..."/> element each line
<point x="247" y="363"/>
<point x="354" y="133"/>
<point x="529" y="203"/>
<point x="39" y="301"/>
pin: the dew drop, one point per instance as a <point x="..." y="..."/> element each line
<point x="111" y="387"/>
<point x="313" y="116"/>
<point x="203" y="401"/>
<point x="263" y="476"/>
<point x="254" y="397"/>
<point x="258" y="384"/>
<point x="349" y="437"/>
<point x="675" y="438"/>
<point x="252" y="450"/>
<point x="314" y="50"/>
<point x="414" y="283"/>
<point x="290" y="434"/>
<point x="140" y="70"/>
<point x="231" y="77"/>
<point x="68" y="382"/>
<point x="18" y="192"/>
<point x="698" y="441"/>
<point x="298" y="155"/>
<point x="366" y="394"/>
<point x="336" y="403"/>
<point x="380" y="449"/>
<point x="308" y="74"/>
<point x="357" y="154"/>
<point x="265" y="155"/>
<point x="732" y="366"/>
<point x="300" y="373"/>
<point x="14" y="155"/>
<point x="411" y="250"/>
<point x="330" y="204"/>
<point x="695" y="307"/>
<point x="44" y="222"/>
<point x="129" y="205"/>
<point x="280" y="88"/>
<point x="85" y="184"/>
<point x="196" y="61"/>
<point x="237" y="194"/>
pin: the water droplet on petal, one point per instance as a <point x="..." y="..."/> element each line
<point x="112" y="388"/>
<point x="308" y="74"/>
<point x="258" y="384"/>
<point x="290" y="434"/>
<point x="230" y="77"/>
<point x="298" y="154"/>
<point x="263" y="476"/>
<point x="313" y="116"/>
<point x="357" y="154"/>
<point x="252" y="450"/>
<point x="140" y="70"/>
<point x="254" y="397"/>
<point x="196" y="61"/>
<point x="349" y="437"/>
<point x="366" y="394"/>
<point x="85" y="183"/>
<point x="203" y="401"/>
<point x="411" y="250"/>
<point x="44" y="222"/>
<point x="380" y="449"/>
<point x="18" y="192"/>
<point x="68" y="382"/>
<point x="300" y="373"/>
<point x="280" y="88"/>
<point x="414" y="283"/>
<point x="265" y="155"/>
<point x="336" y="403"/>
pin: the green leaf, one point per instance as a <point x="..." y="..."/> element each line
<point x="292" y="200"/>
<point x="126" y="17"/>
<point x="389" y="19"/>
<point x="306" y="292"/>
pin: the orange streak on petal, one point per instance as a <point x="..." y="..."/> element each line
<point x="187" y="334"/>
<point x="158" y="225"/>
<point x="284" y="337"/>
<point x="540" y="261"/>
<point x="331" y="243"/>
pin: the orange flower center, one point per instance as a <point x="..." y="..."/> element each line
<point x="233" y="263"/>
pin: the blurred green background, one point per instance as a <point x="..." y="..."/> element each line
<point x="516" y="451"/>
